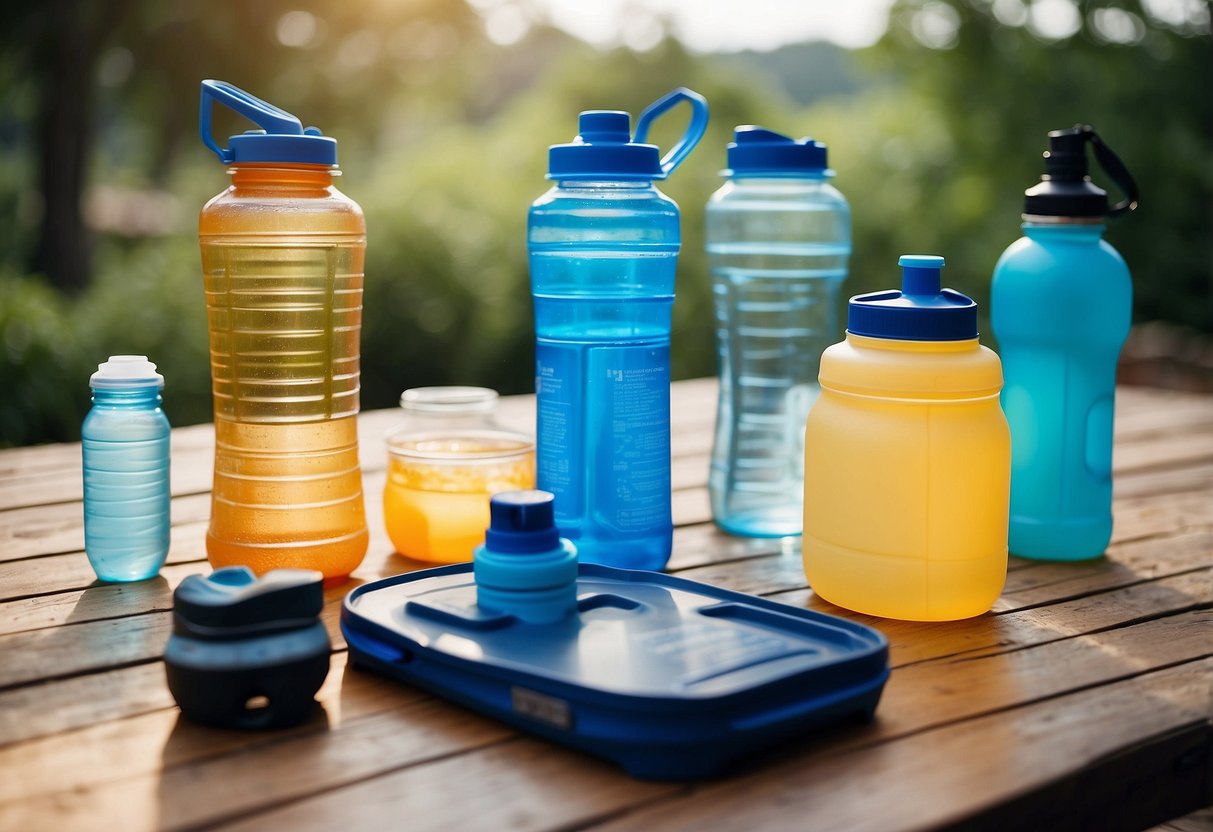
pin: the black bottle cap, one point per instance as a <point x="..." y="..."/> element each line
<point x="1066" y="190"/>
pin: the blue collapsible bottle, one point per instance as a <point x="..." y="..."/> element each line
<point x="603" y="245"/>
<point x="126" y="471"/>
<point x="778" y="239"/>
<point x="1060" y="306"/>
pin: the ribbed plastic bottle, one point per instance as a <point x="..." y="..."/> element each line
<point x="524" y="567"/>
<point x="907" y="458"/>
<point x="282" y="255"/>
<point x="603" y="245"/>
<point x="778" y="240"/>
<point x="1061" y="305"/>
<point x="126" y="471"/>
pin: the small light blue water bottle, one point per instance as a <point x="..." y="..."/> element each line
<point x="126" y="471"/>
<point x="778" y="240"/>
<point x="1061" y="303"/>
<point x="603" y="245"/>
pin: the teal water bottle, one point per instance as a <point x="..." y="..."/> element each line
<point x="1061" y="304"/>
<point x="603" y="245"/>
<point x="126" y="471"/>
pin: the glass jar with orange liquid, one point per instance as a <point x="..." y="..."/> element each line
<point x="446" y="459"/>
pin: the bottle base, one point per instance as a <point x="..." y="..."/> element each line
<point x="906" y="588"/>
<point x="335" y="558"/>
<point x="649" y="554"/>
<point x="1081" y="539"/>
<point x="789" y="523"/>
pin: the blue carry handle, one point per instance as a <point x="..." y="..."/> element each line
<point x="694" y="131"/>
<point x="265" y="115"/>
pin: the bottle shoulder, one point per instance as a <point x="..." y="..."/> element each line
<point x="789" y="194"/>
<point x="912" y="369"/>
<point x="261" y="210"/>
<point x="125" y="424"/>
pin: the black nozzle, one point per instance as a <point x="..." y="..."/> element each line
<point x="1066" y="190"/>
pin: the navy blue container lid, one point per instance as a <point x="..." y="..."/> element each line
<point x="605" y="149"/>
<point x="921" y="311"/>
<point x="668" y="677"/>
<point x="522" y="521"/>
<point x="280" y="139"/>
<point x="758" y="152"/>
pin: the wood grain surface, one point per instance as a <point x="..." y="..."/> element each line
<point x="1082" y="700"/>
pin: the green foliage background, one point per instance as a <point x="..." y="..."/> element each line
<point x="443" y="139"/>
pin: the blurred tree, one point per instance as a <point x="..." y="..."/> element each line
<point x="56" y="44"/>
<point x="999" y="74"/>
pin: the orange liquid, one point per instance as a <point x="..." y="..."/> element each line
<point x="282" y="254"/>
<point x="437" y="510"/>
<point x="288" y="496"/>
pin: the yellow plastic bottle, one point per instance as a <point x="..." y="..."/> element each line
<point x="282" y="254"/>
<point x="907" y="458"/>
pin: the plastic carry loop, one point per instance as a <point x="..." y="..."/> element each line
<point x="1112" y="165"/>
<point x="694" y="131"/>
<point x="262" y="113"/>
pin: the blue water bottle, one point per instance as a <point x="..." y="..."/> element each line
<point x="1061" y="304"/>
<point x="778" y="240"/>
<point x="126" y="471"/>
<point x="603" y="245"/>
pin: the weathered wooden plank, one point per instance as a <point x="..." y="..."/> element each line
<point x="1125" y="564"/>
<point x="926" y="694"/>
<point x="523" y="784"/>
<point x="1166" y="451"/>
<point x="1047" y="764"/>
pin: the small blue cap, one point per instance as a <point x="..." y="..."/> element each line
<point x="522" y="521"/>
<point x="605" y="149"/>
<point x="921" y="311"/>
<point x="756" y="151"/>
<point x="281" y="137"/>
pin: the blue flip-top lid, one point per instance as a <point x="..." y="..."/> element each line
<point x="758" y="152"/>
<point x="921" y="311"/>
<point x="281" y="137"/>
<point x="605" y="149"/>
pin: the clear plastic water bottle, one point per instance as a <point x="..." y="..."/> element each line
<point x="126" y="471"/>
<point x="1062" y="301"/>
<point x="778" y="240"/>
<point x="603" y="245"/>
<point x="282" y="254"/>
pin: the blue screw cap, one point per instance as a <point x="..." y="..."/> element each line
<point x="522" y="521"/>
<point x="921" y="311"/>
<point x="757" y="152"/>
<point x="605" y="148"/>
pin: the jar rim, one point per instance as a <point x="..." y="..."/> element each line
<point x="449" y="400"/>
<point x="433" y="446"/>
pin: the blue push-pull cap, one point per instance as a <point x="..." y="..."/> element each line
<point x="605" y="148"/>
<point x="921" y="311"/>
<point x="281" y="138"/>
<point x="522" y="521"/>
<point x="758" y="152"/>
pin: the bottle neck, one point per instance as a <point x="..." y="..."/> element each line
<point x="1087" y="232"/>
<point x="604" y="185"/>
<point x="899" y="345"/>
<point x="294" y="178"/>
<point x="127" y="398"/>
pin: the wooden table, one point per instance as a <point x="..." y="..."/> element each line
<point x="1083" y="699"/>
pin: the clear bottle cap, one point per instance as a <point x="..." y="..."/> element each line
<point x="125" y="371"/>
